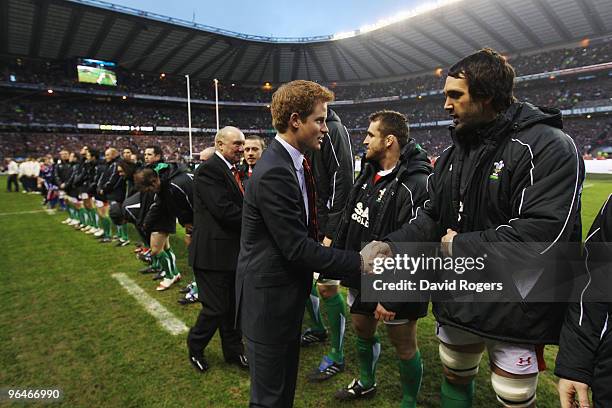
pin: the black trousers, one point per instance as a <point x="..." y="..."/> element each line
<point x="216" y="291"/>
<point x="12" y="180"/>
<point x="273" y="369"/>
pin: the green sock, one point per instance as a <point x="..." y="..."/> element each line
<point x="172" y="259"/>
<point x="70" y="213"/>
<point x="155" y="262"/>
<point x="105" y="226"/>
<point x="122" y="232"/>
<point x="163" y="260"/>
<point x="83" y="216"/>
<point x="93" y="222"/>
<point x="411" y="374"/>
<point x="109" y="227"/>
<point x="368" y="351"/>
<point x="456" y="396"/>
<point x="336" y="316"/>
<point x="314" y="311"/>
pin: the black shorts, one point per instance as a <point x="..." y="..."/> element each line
<point x="164" y="223"/>
<point x="407" y="310"/>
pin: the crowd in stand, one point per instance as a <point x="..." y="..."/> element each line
<point x="561" y="92"/>
<point x="82" y="110"/>
<point x="588" y="134"/>
<point x="174" y="147"/>
<point x="61" y="73"/>
<point x="564" y="94"/>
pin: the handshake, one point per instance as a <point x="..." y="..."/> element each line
<point x="373" y="250"/>
<point x="380" y="249"/>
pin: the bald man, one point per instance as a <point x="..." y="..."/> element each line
<point x="110" y="187"/>
<point x="213" y="253"/>
<point x="207" y="153"/>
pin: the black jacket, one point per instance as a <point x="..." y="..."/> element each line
<point x="71" y="187"/>
<point x="404" y="193"/>
<point x="62" y="172"/>
<point x="110" y="184"/>
<point x="585" y="347"/>
<point x="277" y="258"/>
<point x="175" y="195"/>
<point x="93" y="170"/>
<point x="75" y="182"/>
<point x="523" y="186"/>
<point x="131" y="211"/>
<point x="217" y="206"/>
<point x="334" y="172"/>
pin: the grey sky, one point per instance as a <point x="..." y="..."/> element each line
<point x="277" y="18"/>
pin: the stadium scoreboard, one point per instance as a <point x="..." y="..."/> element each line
<point x="96" y="71"/>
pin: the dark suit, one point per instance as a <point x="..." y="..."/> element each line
<point x="274" y="275"/>
<point x="213" y="254"/>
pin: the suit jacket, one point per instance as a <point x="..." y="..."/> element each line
<point x="277" y="258"/>
<point x="217" y="208"/>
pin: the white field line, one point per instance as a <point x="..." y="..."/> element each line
<point x="588" y="185"/>
<point x="168" y="321"/>
<point x="23" y="212"/>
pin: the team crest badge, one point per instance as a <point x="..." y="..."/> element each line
<point x="497" y="168"/>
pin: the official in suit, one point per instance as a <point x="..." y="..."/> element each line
<point x="279" y="250"/>
<point x="218" y="195"/>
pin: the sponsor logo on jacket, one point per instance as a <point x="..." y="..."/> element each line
<point x="361" y="215"/>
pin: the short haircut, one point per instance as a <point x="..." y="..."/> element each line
<point x="489" y="75"/>
<point x="156" y="150"/>
<point x="296" y="97"/>
<point x="260" y="139"/>
<point x="392" y="123"/>
<point x="95" y="153"/>
<point x="143" y="179"/>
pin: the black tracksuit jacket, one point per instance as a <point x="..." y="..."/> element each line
<point x="175" y="197"/>
<point x="111" y="186"/>
<point x="334" y="172"/>
<point x="404" y="193"/>
<point x="61" y="172"/>
<point x="523" y="185"/>
<point x="585" y="347"/>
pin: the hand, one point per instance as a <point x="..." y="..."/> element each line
<point x="383" y="315"/>
<point x="567" y="391"/>
<point x="327" y="242"/>
<point x="447" y="242"/>
<point x="187" y="240"/>
<point x="63" y="186"/>
<point x="375" y="249"/>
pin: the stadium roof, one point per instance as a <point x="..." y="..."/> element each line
<point x="137" y="40"/>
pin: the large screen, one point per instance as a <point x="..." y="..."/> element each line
<point x="96" y="72"/>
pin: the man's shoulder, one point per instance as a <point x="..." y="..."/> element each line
<point x="209" y="165"/>
<point x="542" y="136"/>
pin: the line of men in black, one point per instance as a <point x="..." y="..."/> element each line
<point x="511" y="175"/>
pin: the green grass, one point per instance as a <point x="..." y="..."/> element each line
<point x="66" y="323"/>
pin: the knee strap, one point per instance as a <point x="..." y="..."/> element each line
<point x="459" y="363"/>
<point x="515" y="392"/>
